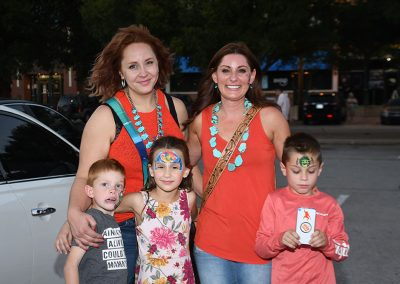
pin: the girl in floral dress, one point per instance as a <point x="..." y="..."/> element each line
<point x="164" y="211"/>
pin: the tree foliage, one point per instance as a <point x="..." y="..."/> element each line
<point x="36" y="34"/>
<point x="48" y="34"/>
<point x="367" y="29"/>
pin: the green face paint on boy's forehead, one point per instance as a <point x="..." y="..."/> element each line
<point x="305" y="161"/>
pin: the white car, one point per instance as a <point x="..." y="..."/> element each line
<point x="50" y="117"/>
<point x="37" y="168"/>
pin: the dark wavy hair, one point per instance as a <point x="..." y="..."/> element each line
<point x="302" y="143"/>
<point x="208" y="95"/>
<point x="105" y="80"/>
<point x="171" y="142"/>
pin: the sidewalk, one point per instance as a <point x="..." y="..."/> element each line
<point x="367" y="115"/>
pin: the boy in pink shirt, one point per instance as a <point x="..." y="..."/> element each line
<point x="301" y="228"/>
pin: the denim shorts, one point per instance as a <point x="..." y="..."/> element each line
<point x="216" y="270"/>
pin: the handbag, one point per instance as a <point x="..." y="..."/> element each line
<point x="227" y="153"/>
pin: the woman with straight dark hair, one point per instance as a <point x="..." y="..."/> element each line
<point x="229" y="93"/>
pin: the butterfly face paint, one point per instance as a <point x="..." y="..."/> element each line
<point x="305" y="162"/>
<point x="168" y="156"/>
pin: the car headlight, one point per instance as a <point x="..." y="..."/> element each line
<point x="385" y="113"/>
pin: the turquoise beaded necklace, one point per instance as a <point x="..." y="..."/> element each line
<point x="238" y="161"/>
<point x="139" y="125"/>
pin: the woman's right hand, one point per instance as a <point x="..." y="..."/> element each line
<point x="83" y="228"/>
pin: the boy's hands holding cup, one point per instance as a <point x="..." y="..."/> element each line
<point x="290" y="239"/>
<point x="318" y="239"/>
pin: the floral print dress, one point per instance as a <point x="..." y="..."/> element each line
<point x="163" y="240"/>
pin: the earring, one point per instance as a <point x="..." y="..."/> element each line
<point x="123" y="83"/>
<point x="251" y="86"/>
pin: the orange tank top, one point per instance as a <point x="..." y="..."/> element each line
<point x="228" y="223"/>
<point x="124" y="150"/>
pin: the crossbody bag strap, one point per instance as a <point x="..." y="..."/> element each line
<point x="227" y="153"/>
<point x="115" y="104"/>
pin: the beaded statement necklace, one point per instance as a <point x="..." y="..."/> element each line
<point x="238" y="161"/>
<point x="139" y="125"/>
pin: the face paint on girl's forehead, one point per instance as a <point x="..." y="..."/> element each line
<point x="304" y="161"/>
<point x="169" y="156"/>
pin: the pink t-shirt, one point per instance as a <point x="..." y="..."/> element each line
<point x="302" y="265"/>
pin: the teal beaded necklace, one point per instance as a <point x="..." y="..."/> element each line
<point x="139" y="125"/>
<point x="238" y="161"/>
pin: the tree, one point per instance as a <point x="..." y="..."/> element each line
<point x="35" y="34"/>
<point x="367" y="30"/>
<point x="12" y="43"/>
<point x="51" y="34"/>
<point x="286" y="30"/>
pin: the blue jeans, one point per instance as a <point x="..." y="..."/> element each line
<point x="128" y="231"/>
<point x="216" y="270"/>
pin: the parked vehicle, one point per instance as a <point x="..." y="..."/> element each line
<point x="390" y="113"/>
<point x="68" y="105"/>
<point x="324" y="107"/>
<point x="37" y="168"/>
<point x="50" y="117"/>
<point x="77" y="106"/>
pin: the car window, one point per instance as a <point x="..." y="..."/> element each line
<point x="30" y="151"/>
<point x="51" y="119"/>
<point x="19" y="107"/>
<point x="57" y="122"/>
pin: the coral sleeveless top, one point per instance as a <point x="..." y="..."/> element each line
<point x="228" y="223"/>
<point x="124" y="150"/>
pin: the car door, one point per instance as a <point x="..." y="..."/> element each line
<point x="38" y="168"/>
<point x="14" y="238"/>
<point x="35" y="197"/>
